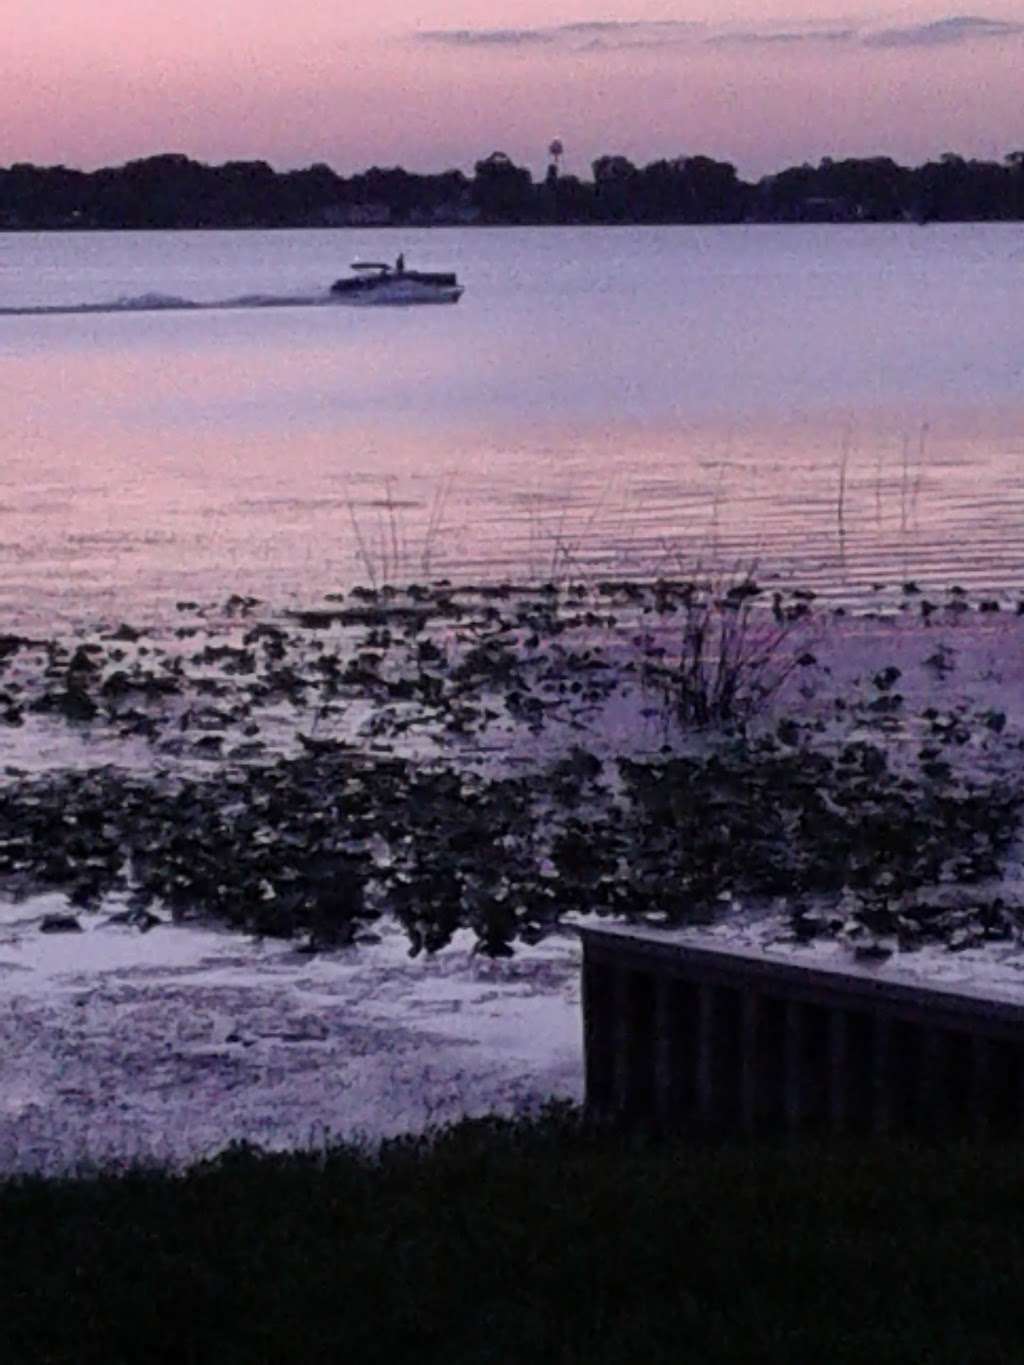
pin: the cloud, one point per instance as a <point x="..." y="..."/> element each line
<point x="628" y="29"/>
<point x="608" y="35"/>
<point x="753" y="37"/>
<point x="487" y="37"/>
<point x="583" y="35"/>
<point x="616" y="25"/>
<point x="961" y="28"/>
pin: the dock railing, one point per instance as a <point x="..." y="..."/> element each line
<point x="684" y="1036"/>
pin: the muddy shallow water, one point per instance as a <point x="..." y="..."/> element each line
<point x="166" y="1046"/>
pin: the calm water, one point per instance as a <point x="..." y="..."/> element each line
<point x="842" y="405"/>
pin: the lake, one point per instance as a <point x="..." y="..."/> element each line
<point x="837" y="405"/>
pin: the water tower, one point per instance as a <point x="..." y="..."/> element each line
<point x="555" y="151"/>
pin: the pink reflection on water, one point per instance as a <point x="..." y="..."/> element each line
<point x="135" y="477"/>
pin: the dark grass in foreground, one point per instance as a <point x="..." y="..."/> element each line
<point x="520" y="1242"/>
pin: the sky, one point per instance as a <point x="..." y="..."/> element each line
<point x="435" y="85"/>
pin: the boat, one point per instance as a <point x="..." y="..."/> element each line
<point x="377" y="282"/>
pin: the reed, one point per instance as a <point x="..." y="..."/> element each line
<point x="844" y="464"/>
<point x="383" y="547"/>
<point x="732" y="654"/>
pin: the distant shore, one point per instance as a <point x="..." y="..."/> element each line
<point x="173" y="191"/>
<point x="405" y="228"/>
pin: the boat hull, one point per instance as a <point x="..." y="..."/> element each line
<point x="396" y="293"/>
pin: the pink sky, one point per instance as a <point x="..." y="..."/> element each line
<point x="431" y="85"/>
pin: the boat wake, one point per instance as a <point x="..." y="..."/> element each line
<point x="170" y="303"/>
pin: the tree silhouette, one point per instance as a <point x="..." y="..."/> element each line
<point x="173" y="191"/>
<point x="502" y="191"/>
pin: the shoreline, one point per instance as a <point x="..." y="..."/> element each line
<point x="572" y="224"/>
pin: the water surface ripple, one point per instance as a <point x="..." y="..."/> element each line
<point x="838" y="406"/>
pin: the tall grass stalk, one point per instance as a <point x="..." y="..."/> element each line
<point x="844" y="464"/>
<point x="922" y="446"/>
<point x="382" y="547"/>
<point x="368" y="560"/>
<point x="438" y="507"/>
<point x="904" y="484"/>
<point x="733" y="654"/>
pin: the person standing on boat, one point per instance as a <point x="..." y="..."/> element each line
<point x="400" y="264"/>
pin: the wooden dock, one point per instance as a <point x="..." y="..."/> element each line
<point x="683" y="1036"/>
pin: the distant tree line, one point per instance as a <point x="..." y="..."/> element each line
<point x="173" y="191"/>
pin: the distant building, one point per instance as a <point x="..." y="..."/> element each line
<point x="367" y="215"/>
<point x="335" y="215"/>
<point x="452" y="212"/>
<point x="829" y="209"/>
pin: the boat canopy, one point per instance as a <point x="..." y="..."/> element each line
<point x="370" y="265"/>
